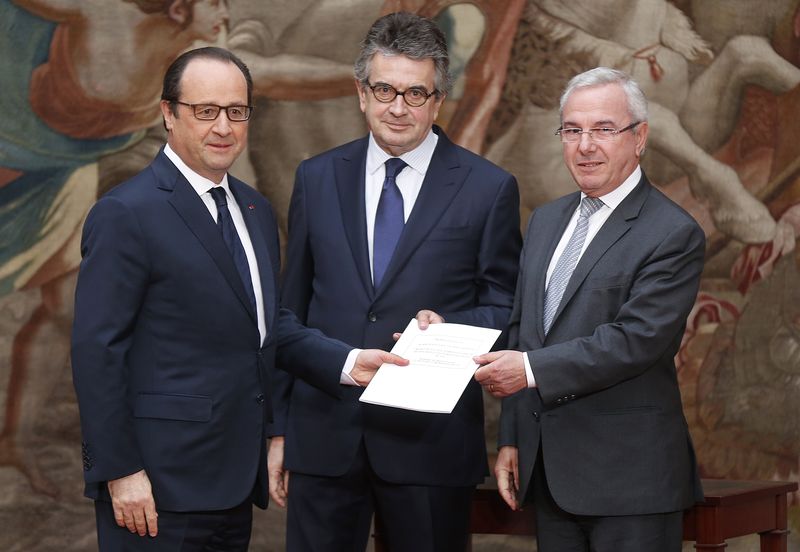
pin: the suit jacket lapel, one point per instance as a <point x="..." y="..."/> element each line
<point x="349" y="171"/>
<point x="443" y="180"/>
<point x="548" y="233"/>
<point x="264" y="256"/>
<point x="194" y="213"/>
<point x="613" y="229"/>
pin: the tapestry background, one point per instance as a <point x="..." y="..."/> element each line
<point x="79" y="113"/>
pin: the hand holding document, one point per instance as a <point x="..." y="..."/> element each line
<point x="440" y="367"/>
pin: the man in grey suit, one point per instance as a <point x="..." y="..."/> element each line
<point x="592" y="430"/>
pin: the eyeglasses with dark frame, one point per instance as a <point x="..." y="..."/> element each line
<point x="598" y="134"/>
<point x="415" y="96"/>
<point x="209" y="112"/>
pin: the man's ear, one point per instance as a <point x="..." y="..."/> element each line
<point x="362" y="99"/>
<point x="642" y="130"/>
<point x="179" y="12"/>
<point x="438" y="100"/>
<point x="166" y="112"/>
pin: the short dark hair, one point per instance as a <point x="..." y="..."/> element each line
<point x="410" y="35"/>
<point x="171" y="91"/>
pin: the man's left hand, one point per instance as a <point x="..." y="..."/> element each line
<point x="502" y="373"/>
<point x="277" y="474"/>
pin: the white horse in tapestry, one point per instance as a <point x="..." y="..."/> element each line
<point x="690" y="118"/>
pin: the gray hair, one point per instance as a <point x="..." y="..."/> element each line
<point x="637" y="103"/>
<point x="409" y="35"/>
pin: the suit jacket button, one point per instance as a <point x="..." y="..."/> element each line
<point x="260" y="398"/>
<point x="372" y="317"/>
<point x="536" y="414"/>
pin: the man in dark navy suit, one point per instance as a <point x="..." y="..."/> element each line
<point x="177" y="327"/>
<point x="381" y="228"/>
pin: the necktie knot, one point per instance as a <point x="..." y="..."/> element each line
<point x="394" y="165"/>
<point x="589" y="206"/>
<point x="220" y="197"/>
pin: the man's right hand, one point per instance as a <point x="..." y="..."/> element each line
<point x="368" y="361"/>
<point x="278" y="476"/>
<point x="506" y="471"/>
<point x="133" y="503"/>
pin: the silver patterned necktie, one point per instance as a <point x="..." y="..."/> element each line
<point x="568" y="260"/>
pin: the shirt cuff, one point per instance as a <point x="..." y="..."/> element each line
<point x="528" y="370"/>
<point x="349" y="364"/>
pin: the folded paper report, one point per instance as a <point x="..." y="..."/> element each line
<point x="440" y="367"/>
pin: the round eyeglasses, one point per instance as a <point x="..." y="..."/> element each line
<point x="209" y="112"/>
<point x="598" y="134"/>
<point x="414" y="96"/>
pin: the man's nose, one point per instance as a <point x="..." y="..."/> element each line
<point x="585" y="142"/>
<point x="222" y="125"/>
<point x="398" y="105"/>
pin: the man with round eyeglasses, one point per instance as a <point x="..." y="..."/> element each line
<point x="592" y="432"/>
<point x="380" y="229"/>
<point x="416" y="96"/>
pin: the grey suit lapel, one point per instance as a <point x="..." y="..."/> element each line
<point x="548" y="232"/>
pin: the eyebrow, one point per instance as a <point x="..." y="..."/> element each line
<point x="596" y="124"/>
<point x="234" y="104"/>
<point x="422" y="86"/>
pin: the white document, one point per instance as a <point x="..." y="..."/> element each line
<point x="440" y="367"/>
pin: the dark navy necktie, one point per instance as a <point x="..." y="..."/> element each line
<point x="389" y="220"/>
<point x="231" y="238"/>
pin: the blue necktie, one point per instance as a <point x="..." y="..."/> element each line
<point x="567" y="261"/>
<point x="231" y="238"/>
<point x="389" y="220"/>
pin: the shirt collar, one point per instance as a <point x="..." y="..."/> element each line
<point x="201" y="184"/>
<point x="418" y="159"/>
<point x="613" y="198"/>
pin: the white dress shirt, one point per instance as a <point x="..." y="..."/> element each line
<point x="203" y="187"/>
<point x="610" y="202"/>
